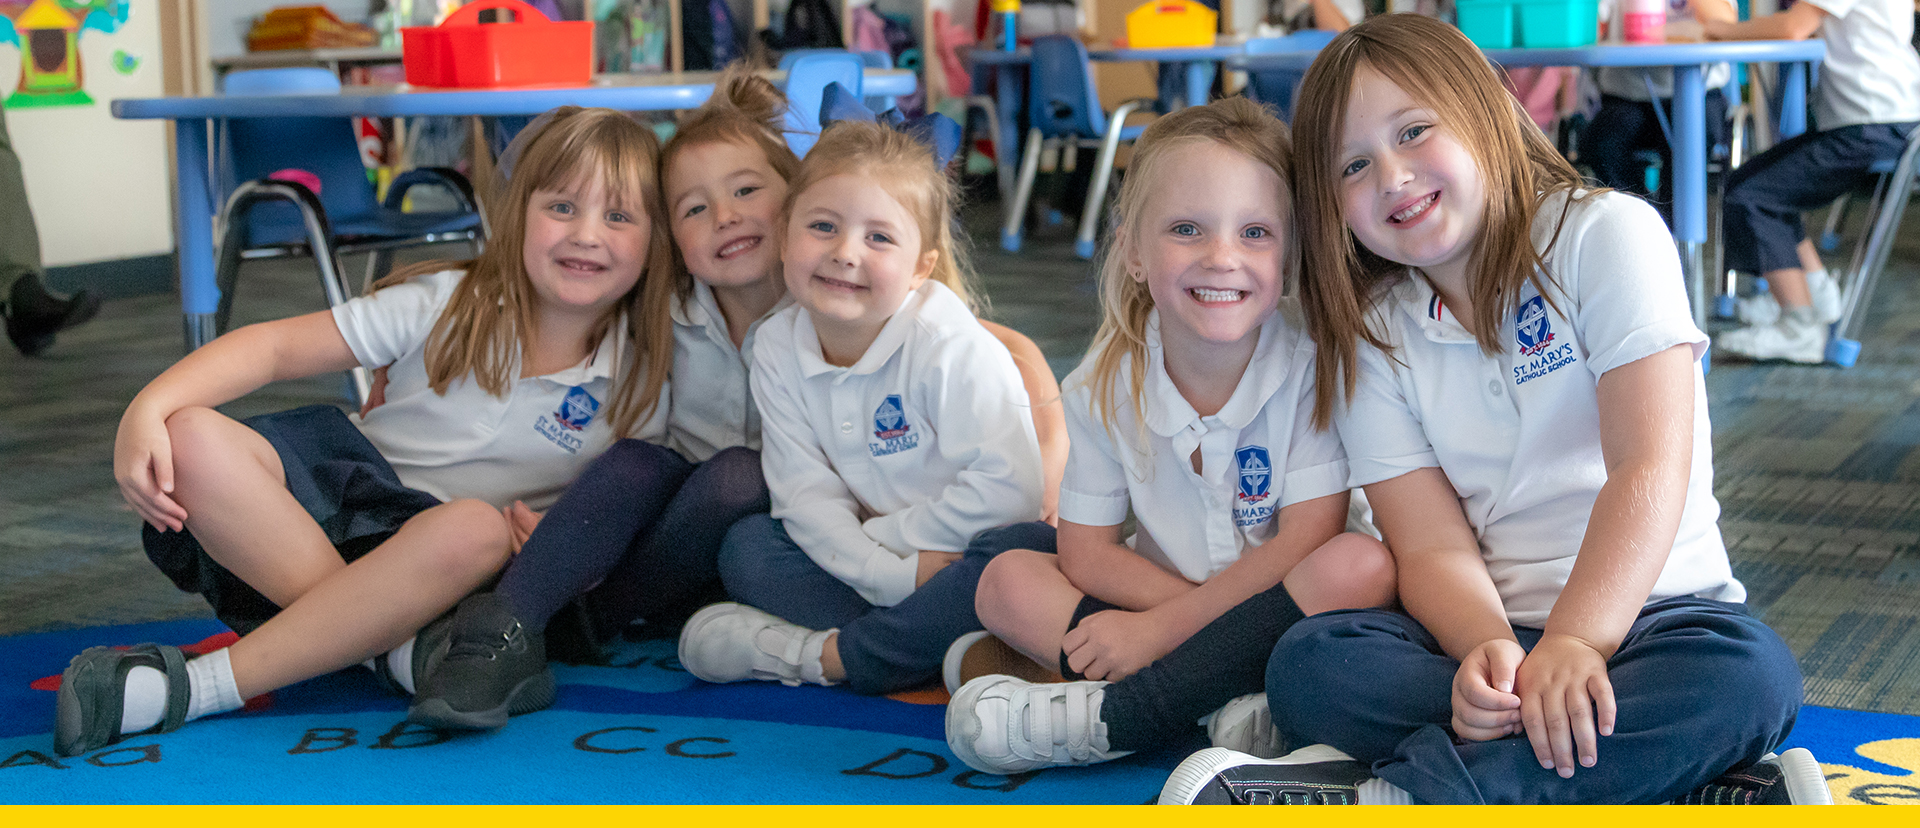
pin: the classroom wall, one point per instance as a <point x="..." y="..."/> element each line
<point x="99" y="187"/>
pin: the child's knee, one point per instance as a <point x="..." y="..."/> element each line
<point x="1351" y="571"/>
<point x="1007" y="586"/>
<point x="473" y="538"/>
<point x="199" y="435"/>
<point x="742" y="551"/>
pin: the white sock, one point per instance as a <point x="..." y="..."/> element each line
<point x="211" y="688"/>
<point x="1801" y="317"/>
<point x="400" y="664"/>
<point x="146" y="700"/>
<point x="1379" y="791"/>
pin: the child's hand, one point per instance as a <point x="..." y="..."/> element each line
<point x="377" y="392"/>
<point x="1563" y="689"/>
<point x="1484" y="704"/>
<point x="1113" y="644"/>
<point x="930" y="563"/>
<point x="143" y="466"/>
<point x="520" y="523"/>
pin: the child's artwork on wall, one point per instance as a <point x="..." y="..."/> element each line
<point x="47" y="33"/>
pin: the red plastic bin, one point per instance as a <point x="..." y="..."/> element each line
<point x="462" y="52"/>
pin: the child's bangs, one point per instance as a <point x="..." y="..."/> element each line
<point x="624" y="169"/>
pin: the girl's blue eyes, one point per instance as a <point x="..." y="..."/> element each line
<point x="1189" y="230"/>
<point x="821" y="226"/>
<point x="1254" y="233"/>
<point x="1414" y="131"/>
<point x="1406" y="135"/>
<point x="566" y="209"/>
<point x="1184" y="229"/>
<point x="1354" y="167"/>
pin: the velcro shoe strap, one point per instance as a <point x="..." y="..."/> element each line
<point x="178" y="685"/>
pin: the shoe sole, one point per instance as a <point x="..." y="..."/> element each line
<point x="690" y="631"/>
<point x="71" y="706"/>
<point x="1254" y="734"/>
<point x="1806" y="783"/>
<point x="532" y="694"/>
<point x="1193" y="774"/>
<point x="989" y="656"/>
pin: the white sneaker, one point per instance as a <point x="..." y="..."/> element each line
<point x="1764" y="309"/>
<point x="980" y="653"/>
<point x="1003" y="725"/>
<point x="1791" y="778"/>
<point x="1806" y="344"/>
<point x="1312" y="775"/>
<point x="735" y="642"/>
<point x="1245" y="725"/>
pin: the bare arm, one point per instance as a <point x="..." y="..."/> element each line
<point x="226" y="369"/>
<point x="1049" y="413"/>
<point x="1800" y="22"/>
<point x="1443" y="580"/>
<point x="1303" y="527"/>
<point x="1098" y="563"/>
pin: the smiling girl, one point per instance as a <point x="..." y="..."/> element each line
<point x="327" y="540"/>
<point x="897" y="433"/>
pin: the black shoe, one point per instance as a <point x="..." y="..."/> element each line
<point x="34" y="316"/>
<point x="1793" y="778"/>
<point x="1316" y="775"/>
<point x="429" y="645"/>
<point x="494" y="668"/>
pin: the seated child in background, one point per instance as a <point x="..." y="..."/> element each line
<point x="1192" y="412"/>
<point x="1512" y="365"/>
<point x="327" y="542"/>
<point x="1865" y="108"/>
<point x="897" y="438"/>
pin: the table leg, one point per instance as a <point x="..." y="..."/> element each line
<point x="199" y="295"/>
<point x="1009" y="93"/>
<point x="1690" y="182"/>
<point x="1199" y="82"/>
<point x="1793" y="99"/>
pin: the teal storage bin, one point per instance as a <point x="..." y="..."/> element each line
<point x="1559" y="24"/>
<point x="1490" y="24"/>
<point x="1537" y="24"/>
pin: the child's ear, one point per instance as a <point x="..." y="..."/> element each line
<point x="924" y="268"/>
<point x="1136" y="270"/>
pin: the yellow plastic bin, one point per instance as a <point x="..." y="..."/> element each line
<point x="1166" y="24"/>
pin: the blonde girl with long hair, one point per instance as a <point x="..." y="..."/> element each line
<point x="899" y="443"/>
<point x="1510" y="361"/>
<point x="328" y="540"/>
<point x="1193" y="413"/>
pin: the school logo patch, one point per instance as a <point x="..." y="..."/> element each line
<point x="890" y="419"/>
<point x="1256" y="473"/>
<point x="1531" y="328"/>
<point x="577" y="410"/>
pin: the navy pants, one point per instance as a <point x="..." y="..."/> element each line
<point x="884" y="649"/>
<point x="1702" y="687"/>
<point x="1766" y="195"/>
<point x="1623" y="127"/>
<point x="638" y="532"/>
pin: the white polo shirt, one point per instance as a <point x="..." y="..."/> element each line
<point x="714" y="409"/>
<point x="924" y="442"/>
<point x="1871" y="74"/>
<point x="1259" y="454"/>
<point x="470" y="443"/>
<point x="1518" y="434"/>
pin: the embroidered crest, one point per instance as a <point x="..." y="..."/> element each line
<point x="1531" y="328"/>
<point x="577" y="409"/>
<point x="890" y="419"/>
<point x="1256" y="473"/>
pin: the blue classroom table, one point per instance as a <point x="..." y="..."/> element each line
<point x="196" y="199"/>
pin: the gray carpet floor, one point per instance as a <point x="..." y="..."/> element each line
<point x="1816" y="467"/>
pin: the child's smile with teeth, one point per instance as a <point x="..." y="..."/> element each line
<point x="1418" y="209"/>
<point x="1217" y="294"/>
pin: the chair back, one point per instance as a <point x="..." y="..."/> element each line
<point x="1063" y="101"/>
<point x="807" y="78"/>
<point x="327" y="148"/>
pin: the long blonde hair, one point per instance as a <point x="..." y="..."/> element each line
<point x="905" y="168"/>
<point x="1125" y="303"/>
<point x="1437" y="66"/>
<point x="489" y="322"/>
<point x="745" y="109"/>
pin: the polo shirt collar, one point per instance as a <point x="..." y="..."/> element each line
<point x="1168" y="412"/>
<point x="1416" y="297"/>
<point x="806" y="340"/>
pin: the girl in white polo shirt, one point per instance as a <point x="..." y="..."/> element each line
<point x="327" y="540"/>
<point x="638" y="535"/>
<point x="1512" y="366"/>
<point x="896" y="435"/>
<point x="1190" y="412"/>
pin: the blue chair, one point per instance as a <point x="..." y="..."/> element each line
<point x="275" y="217"/>
<point x="1276" y="87"/>
<point x="1885" y="208"/>
<point x="870" y="59"/>
<point x="1064" y="111"/>
<point x="808" y="75"/>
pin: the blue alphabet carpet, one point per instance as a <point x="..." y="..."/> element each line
<point x="638" y="731"/>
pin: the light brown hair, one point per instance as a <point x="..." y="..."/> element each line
<point x="1234" y="123"/>
<point x="489" y="322"/>
<point x="905" y="168"/>
<point x="745" y="109"/>
<point x="1438" y="67"/>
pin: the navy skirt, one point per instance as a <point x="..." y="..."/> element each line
<point x="335" y="474"/>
